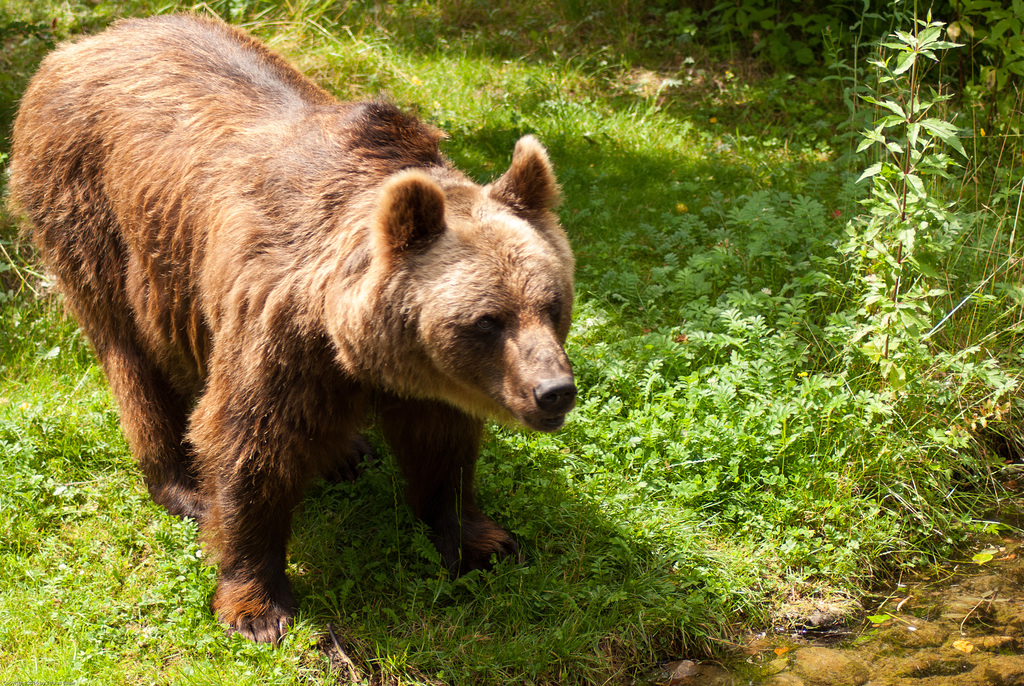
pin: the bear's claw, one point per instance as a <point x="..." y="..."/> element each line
<point x="482" y="541"/>
<point x="267" y="628"/>
<point x="247" y="610"/>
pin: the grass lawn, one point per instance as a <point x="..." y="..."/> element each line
<point x="765" y="410"/>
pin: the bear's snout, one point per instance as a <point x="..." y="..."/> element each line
<point x="543" y="391"/>
<point x="556" y="396"/>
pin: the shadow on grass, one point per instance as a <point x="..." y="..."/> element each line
<point x="618" y="202"/>
<point x="592" y="597"/>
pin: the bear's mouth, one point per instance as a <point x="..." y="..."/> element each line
<point x="545" y="423"/>
<point x="552" y="423"/>
<point x="553" y="398"/>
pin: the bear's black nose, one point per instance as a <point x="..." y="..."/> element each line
<point x="555" y="395"/>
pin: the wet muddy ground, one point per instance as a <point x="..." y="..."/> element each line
<point x="965" y="628"/>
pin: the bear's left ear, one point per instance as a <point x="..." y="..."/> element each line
<point x="529" y="185"/>
<point x="411" y="211"/>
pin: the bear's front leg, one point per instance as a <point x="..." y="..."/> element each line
<point x="252" y="482"/>
<point x="437" y="447"/>
<point x="254" y="596"/>
<point x="265" y="426"/>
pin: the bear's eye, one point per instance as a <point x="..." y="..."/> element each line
<point x="488" y="324"/>
<point x="554" y="311"/>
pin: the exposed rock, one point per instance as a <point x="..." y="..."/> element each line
<point x="911" y="666"/>
<point x="1002" y="670"/>
<point x="915" y="634"/>
<point x="996" y="643"/>
<point x="828" y="667"/>
<point x="1011" y="616"/>
<point x="689" y="673"/>
<point x="785" y="680"/>
<point x="957" y="680"/>
<point x="775" y="666"/>
<point x="966" y="633"/>
<point x="819" y="612"/>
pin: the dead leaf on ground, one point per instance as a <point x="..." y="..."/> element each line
<point x="964" y="646"/>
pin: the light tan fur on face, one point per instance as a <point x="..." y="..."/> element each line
<point x="520" y="280"/>
<point x="485" y="260"/>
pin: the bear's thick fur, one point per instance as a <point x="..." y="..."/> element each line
<point x="258" y="266"/>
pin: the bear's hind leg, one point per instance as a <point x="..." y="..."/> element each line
<point x="351" y="463"/>
<point x="153" y="418"/>
<point x="437" y="447"/>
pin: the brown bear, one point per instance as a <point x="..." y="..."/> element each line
<point x="262" y="269"/>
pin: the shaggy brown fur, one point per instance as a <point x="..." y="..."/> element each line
<point x="257" y="265"/>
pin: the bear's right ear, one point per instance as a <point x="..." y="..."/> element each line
<point x="411" y="211"/>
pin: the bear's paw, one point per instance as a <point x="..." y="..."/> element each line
<point x="482" y="543"/>
<point x="251" y="609"/>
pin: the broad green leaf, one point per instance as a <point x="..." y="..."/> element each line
<point x="939" y="127"/>
<point x="915" y="182"/>
<point x="1001" y="27"/>
<point x="873" y="298"/>
<point x="908" y="237"/>
<point x="894" y="147"/>
<point x="983" y="557"/>
<point x="873" y="353"/>
<point x="945" y="132"/>
<point x="923" y="266"/>
<point x="912" y="132"/>
<point x="894" y="46"/>
<point x="917" y="107"/>
<point x="904" y="62"/>
<point x="913" y="322"/>
<point x="965" y="25"/>
<point x="915" y="158"/>
<point x="887" y="104"/>
<point x="928" y="36"/>
<point x="897" y="374"/>
<point x="890" y="120"/>
<point x="870" y="171"/>
<point x="872" y="231"/>
<point x="879" y="619"/>
<point x="938" y="163"/>
<point x="873" y="136"/>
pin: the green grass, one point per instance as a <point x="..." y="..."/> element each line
<point x="733" y="442"/>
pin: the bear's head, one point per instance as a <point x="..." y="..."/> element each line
<point x="477" y="288"/>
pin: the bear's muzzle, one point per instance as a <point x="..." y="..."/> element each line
<point x="555" y="397"/>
